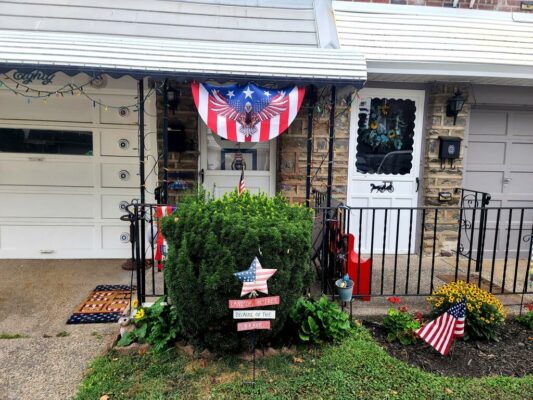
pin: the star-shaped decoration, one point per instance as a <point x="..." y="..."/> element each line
<point x="230" y="94"/>
<point x="248" y="92"/>
<point x="267" y="93"/>
<point x="254" y="279"/>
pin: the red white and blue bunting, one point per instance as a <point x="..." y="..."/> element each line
<point x="247" y="113"/>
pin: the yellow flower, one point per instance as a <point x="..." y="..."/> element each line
<point x="135" y="303"/>
<point x="373" y="125"/>
<point x="139" y="314"/>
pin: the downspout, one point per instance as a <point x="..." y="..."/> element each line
<point x="310" y="115"/>
<point x="331" y="143"/>
<point x="164" y="191"/>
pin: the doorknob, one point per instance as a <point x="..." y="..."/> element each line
<point x="202" y="175"/>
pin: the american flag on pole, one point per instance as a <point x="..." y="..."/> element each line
<point x="247" y="113"/>
<point x="242" y="187"/>
<point x="254" y="279"/>
<point x="440" y="332"/>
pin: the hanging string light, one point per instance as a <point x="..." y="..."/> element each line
<point x="73" y="89"/>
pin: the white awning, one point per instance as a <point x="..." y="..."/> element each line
<point x="421" y="44"/>
<point x="139" y="57"/>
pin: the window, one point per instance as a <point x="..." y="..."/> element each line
<point x="385" y="136"/>
<point x="44" y="141"/>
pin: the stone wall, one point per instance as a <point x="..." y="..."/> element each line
<point x="435" y="179"/>
<point x="292" y="150"/>
<point x="492" y="5"/>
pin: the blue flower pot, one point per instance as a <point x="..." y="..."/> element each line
<point x="344" y="293"/>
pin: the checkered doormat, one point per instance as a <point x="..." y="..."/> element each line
<point x="106" y="303"/>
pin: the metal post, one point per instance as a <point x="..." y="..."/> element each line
<point x="310" y="114"/>
<point x="331" y="141"/>
<point x="141" y="233"/>
<point x="164" y="190"/>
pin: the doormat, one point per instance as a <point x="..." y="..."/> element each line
<point x="105" y="304"/>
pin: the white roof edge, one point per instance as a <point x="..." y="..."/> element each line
<point x="377" y="8"/>
<point x="467" y="70"/>
<point x="325" y="24"/>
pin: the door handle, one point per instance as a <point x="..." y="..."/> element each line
<point x="417" y="184"/>
<point x="202" y="176"/>
<point x="507" y="180"/>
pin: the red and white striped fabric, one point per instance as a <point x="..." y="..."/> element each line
<point x="242" y="187"/>
<point x="440" y="332"/>
<point x="161" y="245"/>
<point x="247" y="113"/>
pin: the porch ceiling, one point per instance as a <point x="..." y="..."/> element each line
<point x="141" y="57"/>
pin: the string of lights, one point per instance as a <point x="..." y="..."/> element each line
<point x="72" y="89"/>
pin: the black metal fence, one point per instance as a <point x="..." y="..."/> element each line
<point x="147" y="255"/>
<point x="408" y="251"/>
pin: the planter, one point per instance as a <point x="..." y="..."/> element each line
<point x="345" y="293"/>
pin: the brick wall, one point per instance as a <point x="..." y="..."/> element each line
<point x="435" y="179"/>
<point x="493" y="5"/>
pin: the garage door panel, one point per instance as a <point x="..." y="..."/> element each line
<point x="485" y="181"/>
<point x="522" y="153"/>
<point x="120" y="175"/>
<point x="47" y="205"/>
<point x="37" y="171"/>
<point x="122" y="143"/>
<point x="521" y="123"/>
<point x="47" y="239"/>
<point x="488" y="122"/>
<point x="113" y="206"/>
<point x="116" y="237"/>
<point x="521" y="183"/>
<point x="486" y="152"/>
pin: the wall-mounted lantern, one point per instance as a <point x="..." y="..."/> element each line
<point x="455" y="105"/>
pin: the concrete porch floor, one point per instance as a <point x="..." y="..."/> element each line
<point x="36" y="299"/>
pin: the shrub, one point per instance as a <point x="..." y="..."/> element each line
<point x="209" y="240"/>
<point x="400" y="325"/>
<point x="320" y="320"/>
<point x="155" y="325"/>
<point x="485" y="314"/>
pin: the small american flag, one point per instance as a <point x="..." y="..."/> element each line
<point x="254" y="279"/>
<point x="242" y="186"/>
<point x="440" y="332"/>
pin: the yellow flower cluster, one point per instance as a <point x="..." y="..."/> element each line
<point x="483" y="304"/>
<point x="139" y="314"/>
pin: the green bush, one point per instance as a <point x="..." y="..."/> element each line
<point x="209" y="240"/>
<point x="320" y="320"/>
<point x="155" y="325"/>
<point x="527" y="318"/>
<point x="400" y="325"/>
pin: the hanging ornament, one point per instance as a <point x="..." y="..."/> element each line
<point x="254" y="279"/>
<point x="247" y="113"/>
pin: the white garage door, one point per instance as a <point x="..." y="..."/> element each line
<point x="499" y="160"/>
<point x="67" y="167"/>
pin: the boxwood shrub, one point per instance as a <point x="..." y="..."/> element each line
<point x="210" y="239"/>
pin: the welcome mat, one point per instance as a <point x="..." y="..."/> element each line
<point x="106" y="303"/>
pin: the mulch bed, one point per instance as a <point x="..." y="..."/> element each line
<point x="512" y="356"/>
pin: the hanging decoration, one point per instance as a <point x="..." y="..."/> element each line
<point x="247" y="113"/>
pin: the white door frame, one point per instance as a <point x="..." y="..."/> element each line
<point x="202" y="165"/>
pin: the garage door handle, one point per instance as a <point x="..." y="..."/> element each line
<point x="417" y="184"/>
<point x="202" y="175"/>
<point x="507" y="180"/>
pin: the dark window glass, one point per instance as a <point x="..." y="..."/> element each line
<point x="385" y="136"/>
<point x="44" y="141"/>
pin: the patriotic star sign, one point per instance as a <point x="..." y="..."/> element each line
<point x="254" y="279"/>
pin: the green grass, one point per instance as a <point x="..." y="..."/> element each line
<point x="4" y="335"/>
<point x="62" y="334"/>
<point x="356" y="369"/>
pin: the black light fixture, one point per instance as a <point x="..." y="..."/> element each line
<point x="455" y="105"/>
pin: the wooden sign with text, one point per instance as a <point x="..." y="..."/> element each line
<point x="254" y="314"/>
<point x="257" y="302"/>
<point x="253" y="326"/>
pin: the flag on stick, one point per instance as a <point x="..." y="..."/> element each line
<point x="440" y="332"/>
<point x="241" y="188"/>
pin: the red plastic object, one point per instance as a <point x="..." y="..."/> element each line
<point x="361" y="282"/>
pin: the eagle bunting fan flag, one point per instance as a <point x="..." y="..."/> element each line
<point x="247" y="113"/>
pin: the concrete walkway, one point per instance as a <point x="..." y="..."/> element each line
<point x="36" y="299"/>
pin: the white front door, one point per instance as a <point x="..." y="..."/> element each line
<point x="384" y="166"/>
<point x="220" y="159"/>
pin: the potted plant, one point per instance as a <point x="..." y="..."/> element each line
<point x="344" y="288"/>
